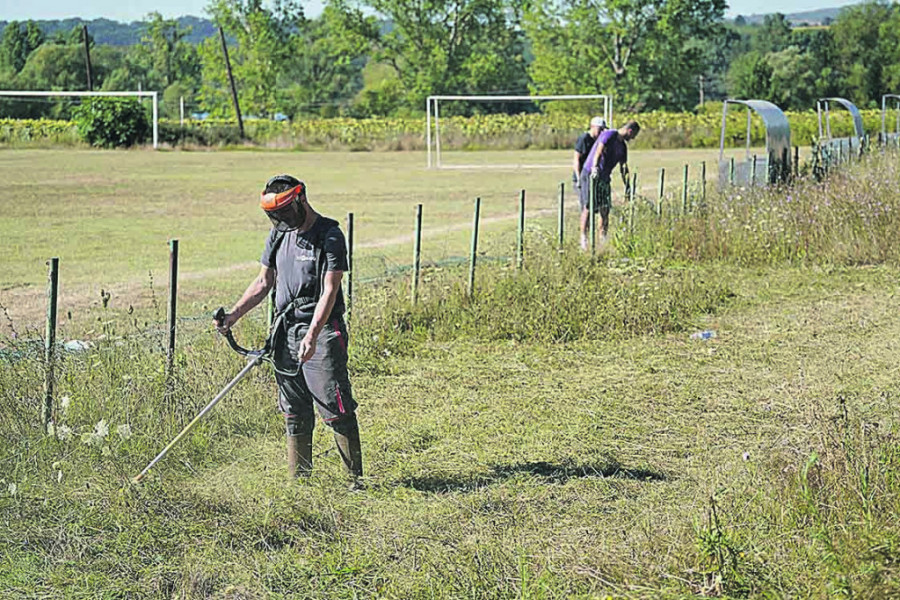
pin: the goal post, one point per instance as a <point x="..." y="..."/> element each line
<point x="433" y="122"/>
<point x="50" y="94"/>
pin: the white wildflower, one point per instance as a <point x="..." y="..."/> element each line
<point x="64" y="403"/>
<point x="12" y="489"/>
<point x="63" y="432"/>
<point x="101" y="429"/>
<point x="124" y="431"/>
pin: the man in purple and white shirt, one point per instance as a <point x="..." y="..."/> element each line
<point x="610" y="149"/>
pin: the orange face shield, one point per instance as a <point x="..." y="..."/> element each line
<point x="272" y="201"/>
<point x="284" y="209"/>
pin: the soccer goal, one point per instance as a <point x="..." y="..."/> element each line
<point x="48" y="94"/>
<point x="433" y="124"/>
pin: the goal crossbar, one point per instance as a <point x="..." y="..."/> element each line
<point x="50" y="94"/>
<point x="432" y="112"/>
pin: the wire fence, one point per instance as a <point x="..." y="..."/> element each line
<point x="497" y="238"/>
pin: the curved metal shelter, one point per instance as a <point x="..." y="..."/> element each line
<point x="858" y="130"/>
<point x="776" y="164"/>
<point x="885" y="135"/>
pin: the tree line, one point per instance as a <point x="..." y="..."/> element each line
<point x="364" y="58"/>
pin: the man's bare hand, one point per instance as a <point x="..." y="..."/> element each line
<point x="225" y="325"/>
<point x="307" y="348"/>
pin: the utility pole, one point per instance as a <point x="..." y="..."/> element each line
<point x="87" y="57"/>
<point x="234" y="96"/>
<point x="701" y="90"/>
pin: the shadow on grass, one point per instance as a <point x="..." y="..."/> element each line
<point x="549" y="472"/>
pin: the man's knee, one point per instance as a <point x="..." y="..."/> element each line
<point x="299" y="425"/>
<point x="343" y="424"/>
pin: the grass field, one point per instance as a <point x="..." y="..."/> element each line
<point x="558" y="436"/>
<point x="108" y="215"/>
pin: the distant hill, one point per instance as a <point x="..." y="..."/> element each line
<point x="810" y="17"/>
<point x="116" y="33"/>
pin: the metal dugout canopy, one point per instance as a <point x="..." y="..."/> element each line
<point x="776" y="164"/>
<point x="825" y="137"/>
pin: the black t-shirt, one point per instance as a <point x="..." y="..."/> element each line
<point x="298" y="271"/>
<point x="583" y="146"/>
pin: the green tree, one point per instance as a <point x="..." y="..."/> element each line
<point x="860" y="50"/>
<point x="818" y="44"/>
<point x="445" y="46"/>
<point x="171" y="58"/>
<point x="18" y="41"/>
<point x="258" y="58"/>
<point x="163" y="61"/>
<point x="792" y="83"/>
<point x="890" y="43"/>
<point x="324" y="66"/>
<point x="648" y="53"/>
<point x="750" y="77"/>
<point x="774" y="35"/>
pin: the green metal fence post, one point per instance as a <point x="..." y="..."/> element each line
<point x="520" y="238"/>
<point x="173" y="309"/>
<point x="703" y="182"/>
<point x="662" y="184"/>
<point x="631" y="202"/>
<point x="417" y="251"/>
<point x="473" y="252"/>
<point x="684" y="191"/>
<point x="50" y="338"/>
<point x="562" y="213"/>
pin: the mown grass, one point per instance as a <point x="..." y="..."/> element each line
<point x="558" y="435"/>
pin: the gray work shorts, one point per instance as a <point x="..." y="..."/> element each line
<point x="322" y="381"/>
<point x="602" y="193"/>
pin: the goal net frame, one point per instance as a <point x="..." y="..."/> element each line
<point x="433" y="142"/>
<point x="52" y="94"/>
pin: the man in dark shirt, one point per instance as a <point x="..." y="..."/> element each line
<point x="611" y="149"/>
<point x="308" y="254"/>
<point x="583" y="146"/>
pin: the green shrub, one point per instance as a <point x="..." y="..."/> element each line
<point x="112" y="122"/>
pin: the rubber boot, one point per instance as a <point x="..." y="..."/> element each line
<point x="299" y="452"/>
<point x="346" y="437"/>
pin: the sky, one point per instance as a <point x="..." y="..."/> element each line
<point x="129" y="10"/>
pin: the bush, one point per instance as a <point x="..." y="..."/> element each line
<point x="112" y="122"/>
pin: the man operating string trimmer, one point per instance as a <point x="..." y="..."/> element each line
<point x="305" y="258"/>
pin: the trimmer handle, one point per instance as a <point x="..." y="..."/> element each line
<point x="219" y="317"/>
